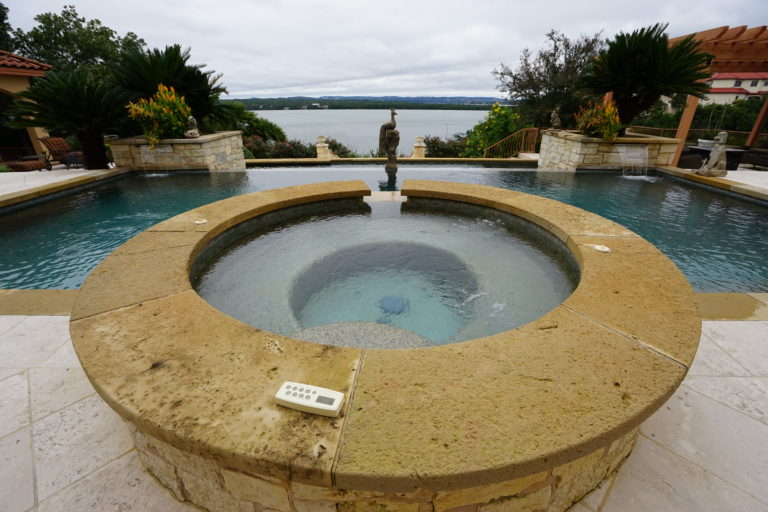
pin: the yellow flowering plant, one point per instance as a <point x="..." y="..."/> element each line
<point x="163" y="116"/>
<point x="600" y="119"/>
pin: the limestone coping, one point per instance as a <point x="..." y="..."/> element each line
<point x="633" y="138"/>
<point x="141" y="140"/>
<point x="442" y="417"/>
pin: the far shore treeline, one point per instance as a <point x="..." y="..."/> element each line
<point x="370" y="103"/>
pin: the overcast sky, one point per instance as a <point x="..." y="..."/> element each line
<point x="384" y="47"/>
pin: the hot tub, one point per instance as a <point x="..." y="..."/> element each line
<point x="531" y="418"/>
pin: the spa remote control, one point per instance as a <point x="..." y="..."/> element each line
<point x="314" y="399"/>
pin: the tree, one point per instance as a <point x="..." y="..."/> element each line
<point x="6" y="38"/>
<point x="139" y="72"/>
<point x="548" y="80"/>
<point x="67" y="41"/>
<point x="641" y="66"/>
<point x="73" y="102"/>
<point x="500" y="122"/>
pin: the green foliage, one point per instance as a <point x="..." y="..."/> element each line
<point x="439" y="148"/>
<point x="339" y="149"/>
<point x="599" y="120"/>
<point x="247" y="153"/>
<point x="7" y="42"/>
<point x="737" y="116"/>
<point x="640" y="67"/>
<point x="260" y="148"/>
<point x="67" y="41"/>
<point x="140" y="72"/>
<point x="73" y="102"/>
<point x="500" y="122"/>
<point x="548" y="80"/>
<point x="239" y="118"/>
<point x="163" y="116"/>
<point x="3" y="168"/>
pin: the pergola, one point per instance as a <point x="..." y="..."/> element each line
<point x="735" y="49"/>
<point x="15" y="74"/>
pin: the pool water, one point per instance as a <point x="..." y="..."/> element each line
<point x="719" y="242"/>
<point x="443" y="270"/>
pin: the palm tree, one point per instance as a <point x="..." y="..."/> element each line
<point x="640" y="67"/>
<point x="140" y="72"/>
<point x="74" y="102"/>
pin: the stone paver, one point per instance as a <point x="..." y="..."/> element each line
<point x="698" y="453"/>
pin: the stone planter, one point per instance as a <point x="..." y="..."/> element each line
<point x="220" y="151"/>
<point x="568" y="150"/>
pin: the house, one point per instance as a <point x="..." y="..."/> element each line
<point x="15" y="75"/>
<point x="725" y="88"/>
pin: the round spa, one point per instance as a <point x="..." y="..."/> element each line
<point x="529" y="414"/>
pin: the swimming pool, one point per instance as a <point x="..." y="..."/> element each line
<point x="719" y="242"/>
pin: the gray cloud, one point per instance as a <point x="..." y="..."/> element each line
<point x="335" y="47"/>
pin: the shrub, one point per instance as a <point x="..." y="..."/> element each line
<point x="162" y="116"/>
<point x="339" y="149"/>
<point x="500" y="122"/>
<point x="437" y="147"/>
<point x="247" y="153"/>
<point x="4" y="168"/>
<point x="599" y="120"/>
<point x="260" y="148"/>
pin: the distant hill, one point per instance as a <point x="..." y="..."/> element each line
<point x="371" y="102"/>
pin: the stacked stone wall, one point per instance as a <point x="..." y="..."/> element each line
<point x="569" y="151"/>
<point x="221" y="151"/>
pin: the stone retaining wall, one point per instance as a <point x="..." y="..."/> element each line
<point x="567" y="150"/>
<point x="221" y="151"/>
<point x="216" y="487"/>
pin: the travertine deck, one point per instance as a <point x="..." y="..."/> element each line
<point x="63" y="450"/>
<point x="465" y="414"/>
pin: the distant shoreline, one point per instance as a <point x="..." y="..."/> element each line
<point x="369" y="103"/>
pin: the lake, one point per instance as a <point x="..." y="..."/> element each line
<point x="359" y="129"/>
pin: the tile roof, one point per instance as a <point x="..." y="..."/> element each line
<point x="740" y="76"/>
<point x="728" y="90"/>
<point x="10" y="61"/>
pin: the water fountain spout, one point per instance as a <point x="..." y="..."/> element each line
<point x="633" y="159"/>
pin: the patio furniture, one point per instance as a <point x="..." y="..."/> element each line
<point x="26" y="164"/>
<point x="61" y="151"/>
<point x="756" y="156"/>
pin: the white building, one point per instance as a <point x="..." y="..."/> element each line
<point x="725" y="88"/>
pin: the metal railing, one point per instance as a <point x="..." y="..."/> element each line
<point x="522" y="141"/>
<point x="735" y="138"/>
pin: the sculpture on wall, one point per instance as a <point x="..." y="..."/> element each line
<point x="714" y="166"/>
<point x="389" y="138"/>
<point x="554" y="118"/>
<point x="192" y="131"/>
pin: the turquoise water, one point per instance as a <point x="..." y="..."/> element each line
<point x="720" y="243"/>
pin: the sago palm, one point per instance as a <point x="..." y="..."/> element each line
<point x="140" y="72"/>
<point x="641" y="66"/>
<point x="74" y="102"/>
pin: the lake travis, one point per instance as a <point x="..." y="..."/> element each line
<point x="359" y="129"/>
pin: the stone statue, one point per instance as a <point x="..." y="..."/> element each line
<point x="714" y="166"/>
<point x="192" y="131"/>
<point x="554" y="118"/>
<point x="389" y="138"/>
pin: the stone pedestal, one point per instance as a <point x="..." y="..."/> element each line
<point x="221" y="151"/>
<point x="570" y="151"/>
<point x="419" y="149"/>
<point x="323" y="151"/>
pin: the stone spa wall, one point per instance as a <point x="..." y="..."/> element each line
<point x="221" y="151"/>
<point x="569" y="151"/>
<point x="527" y="420"/>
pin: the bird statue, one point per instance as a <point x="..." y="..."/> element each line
<point x="391" y="125"/>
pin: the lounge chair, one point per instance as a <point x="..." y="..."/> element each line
<point x="30" y="164"/>
<point x="61" y="151"/>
